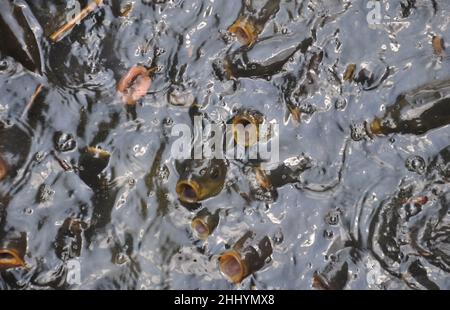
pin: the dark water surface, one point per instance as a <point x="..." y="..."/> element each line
<point x="353" y="218"/>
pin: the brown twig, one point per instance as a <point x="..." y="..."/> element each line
<point x="32" y="99"/>
<point x="58" y="34"/>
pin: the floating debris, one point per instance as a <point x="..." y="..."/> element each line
<point x="32" y="100"/>
<point x="61" y="32"/>
<point x="349" y="73"/>
<point x="62" y="162"/>
<point x="135" y="84"/>
<point x="419" y="201"/>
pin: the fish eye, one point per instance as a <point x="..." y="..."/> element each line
<point x="214" y="172"/>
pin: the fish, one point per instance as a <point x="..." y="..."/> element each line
<point x="200" y="179"/>
<point x="21" y="35"/>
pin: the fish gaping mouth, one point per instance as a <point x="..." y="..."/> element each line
<point x="245" y="130"/>
<point x="245" y="31"/>
<point x="232" y="266"/>
<point x="200" y="228"/>
<point x="9" y="258"/>
<point x="188" y="191"/>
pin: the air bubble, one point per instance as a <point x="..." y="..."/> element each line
<point x="160" y="51"/>
<point x="340" y="104"/>
<point x="358" y="132"/>
<point x="328" y="234"/>
<point x="64" y="142"/>
<point x="3" y="65"/>
<point x="278" y="237"/>
<point x="415" y="164"/>
<point x="163" y="173"/>
<point x="332" y="218"/>
<point x="168" y="122"/>
<point x="28" y="211"/>
<point x="39" y="156"/>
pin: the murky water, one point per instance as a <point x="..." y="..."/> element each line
<point x="364" y="213"/>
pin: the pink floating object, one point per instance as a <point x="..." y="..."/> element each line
<point x="134" y="85"/>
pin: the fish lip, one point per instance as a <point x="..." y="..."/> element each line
<point x="193" y="185"/>
<point x="234" y="255"/>
<point x="245" y="26"/>
<point x="199" y="221"/>
<point x="13" y="262"/>
<point x="97" y="152"/>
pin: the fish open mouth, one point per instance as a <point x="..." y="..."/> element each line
<point x="188" y="191"/>
<point x="245" y="130"/>
<point x="244" y="31"/>
<point x="232" y="266"/>
<point x="200" y="228"/>
<point x="9" y="258"/>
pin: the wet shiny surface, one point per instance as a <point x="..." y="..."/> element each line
<point x="356" y="218"/>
